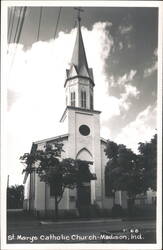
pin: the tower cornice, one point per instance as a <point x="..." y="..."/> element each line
<point x="86" y="111"/>
<point x="79" y="76"/>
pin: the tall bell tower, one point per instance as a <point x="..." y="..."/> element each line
<point x="79" y="83"/>
<point x="83" y="122"/>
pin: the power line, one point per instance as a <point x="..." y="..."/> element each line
<point x="9" y="20"/>
<point x="12" y="25"/>
<point x="57" y="22"/>
<point x="18" y="22"/>
<point x="38" y="34"/>
<point x="21" y="25"/>
<point x="19" y="34"/>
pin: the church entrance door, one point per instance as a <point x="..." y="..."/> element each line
<point x="84" y="184"/>
<point x="84" y="199"/>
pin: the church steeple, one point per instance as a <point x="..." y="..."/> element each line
<point x="79" y="59"/>
<point x="79" y="81"/>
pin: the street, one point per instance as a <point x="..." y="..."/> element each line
<point x="23" y="228"/>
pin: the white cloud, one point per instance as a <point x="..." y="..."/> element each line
<point x="127" y="92"/>
<point x="125" y="29"/>
<point x="129" y="45"/>
<point x="105" y="132"/>
<point x="98" y="44"/>
<point x="126" y="77"/>
<point x="130" y="91"/>
<point x="122" y="80"/>
<point x="140" y="130"/>
<point x="110" y="106"/>
<point x="120" y="45"/>
<point x="155" y="52"/>
<point x="37" y="77"/>
<point x="149" y="71"/>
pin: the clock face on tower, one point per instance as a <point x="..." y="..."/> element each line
<point x="84" y="130"/>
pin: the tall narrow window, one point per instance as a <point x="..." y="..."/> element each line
<point x="73" y="99"/>
<point x="91" y="101"/>
<point x="83" y="99"/>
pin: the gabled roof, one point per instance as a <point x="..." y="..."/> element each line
<point x="56" y="138"/>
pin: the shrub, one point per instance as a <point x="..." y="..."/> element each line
<point x="117" y="211"/>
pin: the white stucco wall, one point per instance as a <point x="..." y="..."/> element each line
<point x="27" y="188"/>
<point x="151" y="197"/>
<point x="91" y="143"/>
<point x="43" y="199"/>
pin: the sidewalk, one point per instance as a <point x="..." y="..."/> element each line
<point x="90" y="220"/>
<point x="24" y="226"/>
<point x="19" y="215"/>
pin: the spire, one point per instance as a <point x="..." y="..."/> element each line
<point x="79" y="66"/>
<point x="79" y="59"/>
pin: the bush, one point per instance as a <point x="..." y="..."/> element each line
<point x="69" y="214"/>
<point x="84" y="211"/>
<point x="94" y="210"/>
<point x="117" y="211"/>
<point x="145" y="212"/>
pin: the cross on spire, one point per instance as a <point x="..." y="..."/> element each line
<point x="78" y="10"/>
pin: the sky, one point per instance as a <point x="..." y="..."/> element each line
<point x="121" y="46"/>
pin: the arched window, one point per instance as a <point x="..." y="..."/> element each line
<point x="83" y="99"/>
<point x="73" y="99"/>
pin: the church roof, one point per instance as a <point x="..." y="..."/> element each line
<point x="79" y="59"/>
<point x="79" y="66"/>
<point x="60" y="137"/>
<point x="103" y="140"/>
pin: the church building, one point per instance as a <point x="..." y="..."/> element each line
<point x="81" y="141"/>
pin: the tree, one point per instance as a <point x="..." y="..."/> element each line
<point x="148" y="160"/>
<point x="58" y="173"/>
<point x="112" y="153"/>
<point x="15" y="196"/>
<point x="123" y="172"/>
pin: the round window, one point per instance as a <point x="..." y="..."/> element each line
<point x="84" y="130"/>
